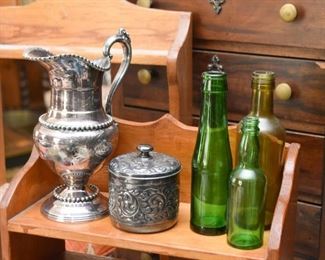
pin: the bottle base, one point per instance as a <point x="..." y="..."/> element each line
<point x="244" y="241"/>
<point x="208" y="231"/>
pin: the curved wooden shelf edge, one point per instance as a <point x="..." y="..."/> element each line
<point x="179" y="71"/>
<point x="28" y="185"/>
<point x="32" y="182"/>
<point x="65" y="29"/>
<point x="166" y="120"/>
<point x="163" y="120"/>
<point x="166" y="134"/>
<point x="283" y="224"/>
<point x="158" y="133"/>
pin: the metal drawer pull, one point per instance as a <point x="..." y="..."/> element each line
<point x="144" y="76"/>
<point x="288" y="12"/>
<point x="144" y="3"/>
<point x="283" y="91"/>
<point x="217" y="5"/>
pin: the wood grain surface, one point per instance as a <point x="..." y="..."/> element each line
<point x="178" y="241"/>
<point x="307" y="240"/>
<point x="2" y="144"/>
<point x="257" y="26"/>
<point x="305" y="78"/>
<point x="82" y="27"/>
<point x="10" y="84"/>
<point x="311" y="166"/>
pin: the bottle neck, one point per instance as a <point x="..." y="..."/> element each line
<point x="214" y="109"/>
<point x="249" y="150"/>
<point x="262" y="102"/>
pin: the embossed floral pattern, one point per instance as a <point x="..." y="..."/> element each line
<point x="143" y="204"/>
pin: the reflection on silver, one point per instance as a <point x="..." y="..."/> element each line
<point x="77" y="134"/>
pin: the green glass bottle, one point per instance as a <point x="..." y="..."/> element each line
<point x="247" y="191"/>
<point x="271" y="137"/>
<point x="211" y="162"/>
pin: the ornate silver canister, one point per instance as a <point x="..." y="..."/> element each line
<point x="144" y="190"/>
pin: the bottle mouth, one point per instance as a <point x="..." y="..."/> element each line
<point x="263" y="78"/>
<point x="214" y="74"/>
<point x="214" y="81"/>
<point x="250" y="124"/>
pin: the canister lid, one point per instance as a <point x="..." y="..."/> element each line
<point x="144" y="164"/>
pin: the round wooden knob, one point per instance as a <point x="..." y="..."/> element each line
<point x="283" y="91"/>
<point x="145" y="256"/>
<point x="288" y="12"/>
<point x="144" y="76"/>
<point x="144" y="3"/>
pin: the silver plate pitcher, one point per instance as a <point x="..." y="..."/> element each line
<point x="77" y="133"/>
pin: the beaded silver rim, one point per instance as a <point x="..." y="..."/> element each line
<point x="50" y="56"/>
<point x="53" y="126"/>
<point x="59" y="189"/>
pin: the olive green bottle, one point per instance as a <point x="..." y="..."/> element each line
<point x="247" y="191"/>
<point x="211" y="162"/>
<point x="271" y="137"/>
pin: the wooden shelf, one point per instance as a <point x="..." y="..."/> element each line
<point x="24" y="228"/>
<point x="81" y="27"/>
<point x="177" y="241"/>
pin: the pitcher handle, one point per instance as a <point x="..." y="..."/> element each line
<point x="122" y="37"/>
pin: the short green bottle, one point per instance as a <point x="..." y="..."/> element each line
<point x="247" y="192"/>
<point x="211" y="162"/>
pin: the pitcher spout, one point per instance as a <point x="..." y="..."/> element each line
<point x="64" y="61"/>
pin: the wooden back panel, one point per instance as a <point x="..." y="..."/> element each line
<point x="167" y="135"/>
<point x="83" y="26"/>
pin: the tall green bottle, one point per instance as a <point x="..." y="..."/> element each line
<point x="271" y="137"/>
<point x="247" y="191"/>
<point x="211" y="162"/>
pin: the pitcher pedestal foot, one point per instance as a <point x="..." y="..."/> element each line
<point x="79" y="206"/>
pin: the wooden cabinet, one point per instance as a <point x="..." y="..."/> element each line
<point x="250" y="36"/>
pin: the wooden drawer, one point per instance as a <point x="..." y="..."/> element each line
<point x="142" y="102"/>
<point x="304" y="111"/>
<point x="307" y="231"/>
<point x="153" y="95"/>
<point x="311" y="166"/>
<point x="256" y="22"/>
